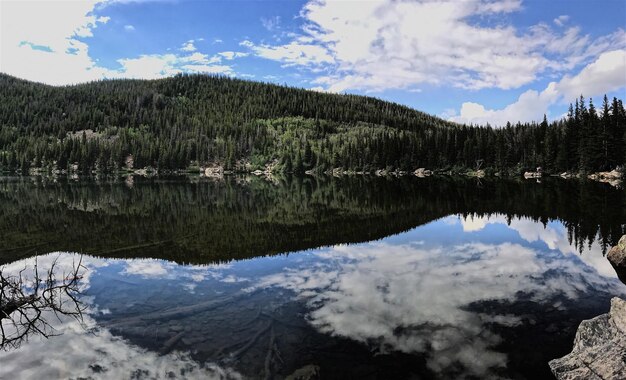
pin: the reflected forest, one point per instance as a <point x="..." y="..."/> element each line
<point x="199" y="220"/>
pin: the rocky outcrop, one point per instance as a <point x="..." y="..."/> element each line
<point x="477" y="173"/>
<point x="421" y="172"/>
<point x="599" y="351"/>
<point x="617" y="258"/>
<point x="532" y="175"/>
<point x="612" y="175"/>
<point x="216" y="171"/>
<point x="613" y="178"/>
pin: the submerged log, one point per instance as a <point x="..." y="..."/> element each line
<point x="171" y="342"/>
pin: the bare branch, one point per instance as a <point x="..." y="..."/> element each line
<point x="25" y="303"/>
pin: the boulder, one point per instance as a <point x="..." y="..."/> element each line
<point x="613" y="178"/>
<point x="421" y="172"/>
<point x="477" y="173"/>
<point x="613" y="174"/>
<point x="599" y="348"/>
<point x="532" y="175"/>
<point x="617" y="258"/>
<point x="214" y="171"/>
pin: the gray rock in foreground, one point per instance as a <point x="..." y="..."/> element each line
<point x="617" y="254"/>
<point x="617" y="258"/>
<point x="599" y="348"/>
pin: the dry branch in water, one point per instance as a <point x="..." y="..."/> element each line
<point x="26" y="303"/>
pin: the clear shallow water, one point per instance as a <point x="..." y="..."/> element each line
<point x="459" y="296"/>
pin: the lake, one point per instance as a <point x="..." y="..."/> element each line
<point x="354" y="277"/>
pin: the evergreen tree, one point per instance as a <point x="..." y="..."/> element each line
<point x="175" y="122"/>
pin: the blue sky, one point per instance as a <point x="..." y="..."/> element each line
<point x="473" y="61"/>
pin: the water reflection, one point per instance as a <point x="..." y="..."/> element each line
<point x="427" y="297"/>
<point x="84" y="349"/>
<point x="553" y="234"/>
<point x="204" y="221"/>
<point x="460" y="297"/>
<point x="468" y="279"/>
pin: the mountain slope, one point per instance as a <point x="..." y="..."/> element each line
<point x="198" y="120"/>
<point x="171" y="122"/>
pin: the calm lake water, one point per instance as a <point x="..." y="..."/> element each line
<point x="359" y="278"/>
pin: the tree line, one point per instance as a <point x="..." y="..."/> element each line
<point x="190" y="121"/>
<point x="207" y="221"/>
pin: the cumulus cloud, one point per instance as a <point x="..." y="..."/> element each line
<point x="561" y="20"/>
<point x="49" y="43"/>
<point x="554" y="236"/>
<point x="85" y="350"/>
<point x="531" y="105"/>
<point x="162" y="65"/>
<point x="146" y="268"/>
<point x="66" y="58"/>
<point x="607" y="73"/>
<point x="230" y="55"/>
<point x="188" y="46"/>
<point x="388" y="44"/>
<point x="292" y="54"/>
<point x="382" y="295"/>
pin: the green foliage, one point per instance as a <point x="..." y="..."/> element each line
<point x="171" y="123"/>
<point x="203" y="220"/>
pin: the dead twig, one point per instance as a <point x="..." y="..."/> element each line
<point x="26" y="303"/>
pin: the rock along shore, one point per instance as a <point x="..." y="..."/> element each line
<point x="599" y="351"/>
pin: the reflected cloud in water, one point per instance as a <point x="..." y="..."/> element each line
<point x="447" y="292"/>
<point x="426" y="299"/>
<point x="86" y="350"/>
<point x="553" y="235"/>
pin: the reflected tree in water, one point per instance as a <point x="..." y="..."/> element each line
<point x="201" y="220"/>
<point x="28" y="299"/>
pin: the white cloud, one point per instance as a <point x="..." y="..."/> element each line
<point x="607" y="73"/>
<point x="49" y="43"/>
<point x="294" y="53"/>
<point x="531" y="105"/>
<point x="188" y="46"/>
<point x="68" y="60"/>
<point x="561" y="20"/>
<point x="163" y="65"/>
<point x="386" y="44"/>
<point x="554" y="236"/>
<point x="230" y="55"/>
<point x="382" y="295"/>
<point x="86" y="350"/>
<point x="270" y="23"/>
<point x="150" y="66"/>
<point x="146" y="268"/>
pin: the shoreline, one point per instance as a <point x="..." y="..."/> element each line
<point x="613" y="178"/>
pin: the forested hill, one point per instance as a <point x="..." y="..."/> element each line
<point x="196" y="120"/>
